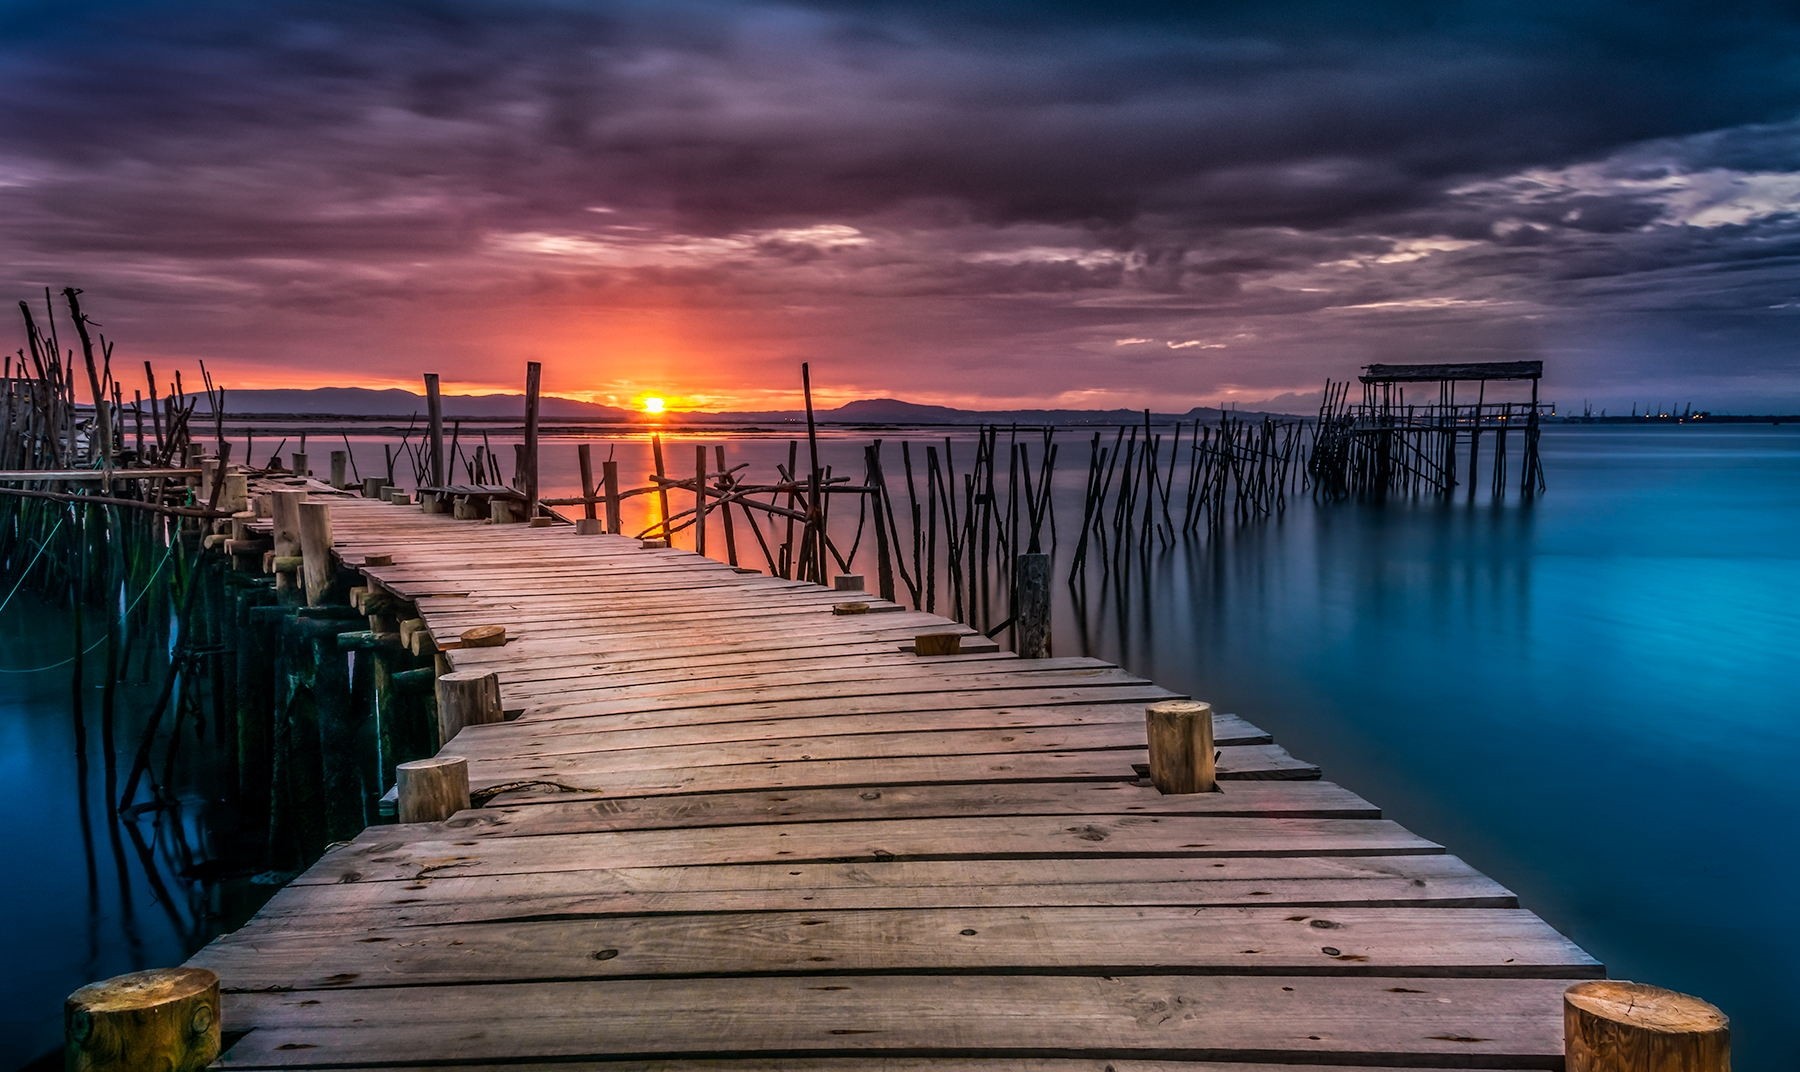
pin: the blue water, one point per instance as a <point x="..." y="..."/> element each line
<point x="1590" y="698"/>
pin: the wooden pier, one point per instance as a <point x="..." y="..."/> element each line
<point x="727" y="826"/>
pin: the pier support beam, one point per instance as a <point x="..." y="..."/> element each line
<point x="1610" y="1025"/>
<point x="847" y="582"/>
<point x="315" y="551"/>
<point x="163" y="1019"/>
<point x="432" y="790"/>
<point x="340" y="468"/>
<point x="466" y="698"/>
<point x="1031" y="605"/>
<point x="1180" y="734"/>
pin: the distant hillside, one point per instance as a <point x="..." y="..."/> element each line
<point x="395" y="402"/>
<point x="398" y="404"/>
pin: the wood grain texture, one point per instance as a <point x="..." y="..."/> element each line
<point x="737" y="831"/>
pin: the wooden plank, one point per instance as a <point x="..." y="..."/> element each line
<point x="1256" y="762"/>
<point x="1371" y="881"/>
<point x="882" y="1064"/>
<point x="1406" y="942"/>
<point x="373" y="858"/>
<point x="1283" y="1018"/>
<point x="523" y="739"/>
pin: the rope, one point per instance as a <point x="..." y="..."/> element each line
<point x="42" y="547"/>
<point x="91" y="648"/>
<point x="480" y="797"/>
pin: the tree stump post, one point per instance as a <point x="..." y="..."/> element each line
<point x="162" y="1019"/>
<point x="927" y="645"/>
<point x="1610" y="1025"/>
<point x="1180" y="734"/>
<point x="466" y="698"/>
<point x="432" y="790"/>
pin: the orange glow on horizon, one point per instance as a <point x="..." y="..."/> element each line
<point x="654" y="405"/>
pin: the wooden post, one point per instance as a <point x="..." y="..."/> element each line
<point x="1031" y="604"/>
<point x="466" y="698"/>
<point x="284" y="508"/>
<point x="585" y="455"/>
<point x="236" y="494"/>
<point x="432" y="790"/>
<point x="534" y="371"/>
<point x="1180" y="733"/>
<point x="374" y="487"/>
<point x="340" y="468"/>
<point x="300" y="466"/>
<point x="315" y="550"/>
<point x="699" y="499"/>
<point x="930" y="644"/>
<point x="847" y="582"/>
<point x="609" y="471"/>
<point x="164" y="1019"/>
<point x="1610" y="1025"/>
<point x="662" y="487"/>
<point x="434" y="416"/>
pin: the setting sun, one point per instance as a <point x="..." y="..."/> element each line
<point x="653" y="405"/>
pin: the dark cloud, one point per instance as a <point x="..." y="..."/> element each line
<point x="1289" y="186"/>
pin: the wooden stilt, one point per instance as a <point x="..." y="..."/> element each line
<point x="1031" y="604"/>
<point x="315" y="551"/>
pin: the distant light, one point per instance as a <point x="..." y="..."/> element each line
<point x="654" y="405"/>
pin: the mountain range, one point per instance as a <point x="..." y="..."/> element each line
<point x="396" y="403"/>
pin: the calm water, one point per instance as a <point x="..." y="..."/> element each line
<point x="1589" y="698"/>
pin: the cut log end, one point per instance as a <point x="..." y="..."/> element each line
<point x="850" y="608"/>
<point x="1611" y="1025"/>
<point x="1179" y="734"/>
<point x="167" y="1018"/>
<point x="432" y="790"/>
<point x="932" y="644"/>
<point x="484" y="636"/>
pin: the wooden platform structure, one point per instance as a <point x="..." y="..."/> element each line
<point x="1387" y="443"/>
<point x="736" y="831"/>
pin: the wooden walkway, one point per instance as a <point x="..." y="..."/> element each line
<point x="793" y="844"/>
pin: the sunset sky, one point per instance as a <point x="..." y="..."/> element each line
<point x="1048" y="203"/>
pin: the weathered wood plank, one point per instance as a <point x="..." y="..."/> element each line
<point x="1410" y="942"/>
<point x="374" y="858"/>
<point x="1405" y="1021"/>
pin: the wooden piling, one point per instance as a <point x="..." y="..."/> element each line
<point x="1610" y="1025"/>
<point x="1031" y="604"/>
<point x="315" y="551"/>
<point x="466" y="698"/>
<point x="699" y="499"/>
<point x="434" y="416"/>
<point x="1180" y="735"/>
<point x="847" y="582"/>
<point x="534" y="371"/>
<point x="609" y="473"/>
<point x="166" y="1019"/>
<point x="432" y="790"/>
<point x="340" y="468"/>
<point x="585" y="455"/>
